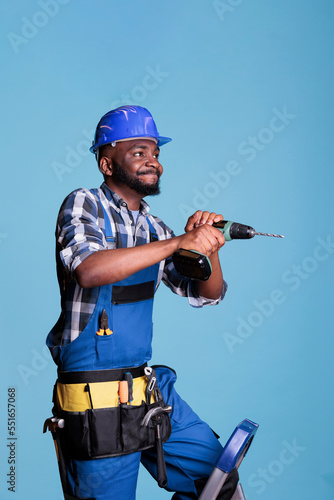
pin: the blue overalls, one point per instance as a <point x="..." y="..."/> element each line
<point x="191" y="451"/>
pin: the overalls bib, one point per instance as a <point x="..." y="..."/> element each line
<point x="129" y="307"/>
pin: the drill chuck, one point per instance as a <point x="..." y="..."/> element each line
<point x="234" y="230"/>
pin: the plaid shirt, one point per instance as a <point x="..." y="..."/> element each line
<point x="80" y="232"/>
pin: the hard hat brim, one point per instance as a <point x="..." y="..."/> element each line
<point x="160" y="141"/>
<point x="163" y="140"/>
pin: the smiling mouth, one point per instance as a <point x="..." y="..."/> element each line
<point x="150" y="173"/>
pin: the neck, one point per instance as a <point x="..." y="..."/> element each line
<point x="132" y="198"/>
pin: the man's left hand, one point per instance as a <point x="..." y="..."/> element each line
<point x="200" y="218"/>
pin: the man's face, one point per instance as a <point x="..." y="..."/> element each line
<point x="135" y="164"/>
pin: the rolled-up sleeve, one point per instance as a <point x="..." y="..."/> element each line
<point x="186" y="287"/>
<point x="78" y="232"/>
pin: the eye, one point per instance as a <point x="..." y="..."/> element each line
<point x="138" y="153"/>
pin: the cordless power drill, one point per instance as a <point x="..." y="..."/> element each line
<point x="196" y="265"/>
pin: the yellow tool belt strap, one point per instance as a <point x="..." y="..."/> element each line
<point x="75" y="397"/>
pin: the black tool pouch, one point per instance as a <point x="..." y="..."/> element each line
<point x="111" y="432"/>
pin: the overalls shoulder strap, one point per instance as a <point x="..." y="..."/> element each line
<point x="108" y="230"/>
<point x="153" y="233"/>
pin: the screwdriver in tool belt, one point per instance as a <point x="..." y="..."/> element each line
<point x="196" y="265"/>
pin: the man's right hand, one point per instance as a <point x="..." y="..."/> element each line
<point x="204" y="239"/>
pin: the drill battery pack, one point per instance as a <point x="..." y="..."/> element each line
<point x="192" y="264"/>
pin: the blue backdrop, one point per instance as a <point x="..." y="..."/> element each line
<point x="245" y="89"/>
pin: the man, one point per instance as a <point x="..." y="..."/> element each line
<point x="111" y="256"/>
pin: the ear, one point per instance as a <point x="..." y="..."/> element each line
<point x="105" y="165"/>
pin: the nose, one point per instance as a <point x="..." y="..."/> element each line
<point x="152" y="161"/>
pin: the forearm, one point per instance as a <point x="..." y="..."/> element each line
<point x="109" y="266"/>
<point x="213" y="287"/>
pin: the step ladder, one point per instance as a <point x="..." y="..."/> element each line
<point x="230" y="458"/>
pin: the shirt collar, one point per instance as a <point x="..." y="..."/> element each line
<point x="119" y="202"/>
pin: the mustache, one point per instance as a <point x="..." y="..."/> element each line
<point x="150" y="171"/>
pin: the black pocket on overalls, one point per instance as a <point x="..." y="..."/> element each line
<point x="105" y="431"/>
<point x="76" y="434"/>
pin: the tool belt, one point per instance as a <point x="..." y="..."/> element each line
<point x="102" y="419"/>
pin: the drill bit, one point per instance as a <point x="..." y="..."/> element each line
<point x="267" y="234"/>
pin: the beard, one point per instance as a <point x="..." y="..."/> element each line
<point x="134" y="182"/>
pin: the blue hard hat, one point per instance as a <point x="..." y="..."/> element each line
<point x="126" y="122"/>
